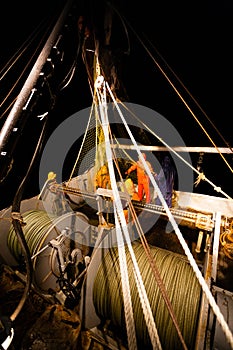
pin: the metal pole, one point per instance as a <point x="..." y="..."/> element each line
<point x="10" y="126"/>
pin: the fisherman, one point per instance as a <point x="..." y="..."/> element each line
<point x="142" y="178"/>
<point x="129" y="187"/>
<point x="165" y="180"/>
<point x="102" y="178"/>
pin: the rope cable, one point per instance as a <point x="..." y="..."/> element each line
<point x="145" y="304"/>
<point x="37" y="224"/>
<point x="118" y="209"/>
<point x="156" y="272"/>
<point x="179" y="280"/>
<point x="184" y="245"/>
<point x="181" y="97"/>
<point x="144" y="300"/>
<point x="192" y="97"/>
<point x="216" y="188"/>
<point x="14" y="59"/>
<point x="81" y="147"/>
<point x="152" y="263"/>
<point x="10" y="63"/>
<point x="17" y="222"/>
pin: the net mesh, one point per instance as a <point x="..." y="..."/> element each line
<point x="91" y="157"/>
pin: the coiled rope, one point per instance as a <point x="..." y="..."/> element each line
<point x="35" y="230"/>
<point x="226" y="240"/>
<point x="220" y="318"/>
<point x="182" y="287"/>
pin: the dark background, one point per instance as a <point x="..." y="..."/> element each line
<point x="192" y="40"/>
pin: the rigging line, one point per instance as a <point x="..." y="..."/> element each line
<point x="141" y="288"/>
<point x="194" y="116"/>
<point x="200" y="278"/>
<point x="180" y="96"/>
<point x="162" y="288"/>
<point x="143" y="239"/>
<point x="18" y="80"/>
<point x="18" y="226"/>
<point x="88" y="70"/>
<point x="11" y="63"/>
<point x="16" y="83"/>
<point x="123" y="24"/>
<point x="81" y="147"/>
<point x="72" y="69"/>
<point x="124" y="151"/>
<point x="156" y="274"/>
<point x="133" y="212"/>
<point x="146" y="308"/>
<point x="50" y="23"/>
<point x="216" y="188"/>
<point x="128" y="308"/>
<point x="188" y="92"/>
<point x="91" y="89"/>
<point x="96" y="64"/>
<point x="129" y="318"/>
<point x="7" y="108"/>
<point x="20" y="51"/>
<point x="69" y="76"/>
<point x="89" y="75"/>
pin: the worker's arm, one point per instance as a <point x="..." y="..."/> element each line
<point x="133" y="167"/>
<point x="151" y="169"/>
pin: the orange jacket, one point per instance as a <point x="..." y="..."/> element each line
<point x="141" y="172"/>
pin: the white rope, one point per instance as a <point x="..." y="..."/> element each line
<point x="184" y="245"/>
<point x="129" y="317"/>
<point x="146" y="308"/>
<point x="216" y="188"/>
<point x="128" y="308"/>
<point x="119" y="213"/>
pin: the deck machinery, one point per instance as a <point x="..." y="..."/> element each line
<point x="72" y="237"/>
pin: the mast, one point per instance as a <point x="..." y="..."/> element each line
<point x="12" y="128"/>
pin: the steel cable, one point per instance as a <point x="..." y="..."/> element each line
<point x="37" y="224"/>
<point x="183" y="289"/>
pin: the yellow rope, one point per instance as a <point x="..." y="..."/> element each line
<point x="226" y="240"/>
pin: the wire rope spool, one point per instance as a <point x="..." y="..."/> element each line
<point x="181" y="285"/>
<point x="50" y="240"/>
<point x="5" y="223"/>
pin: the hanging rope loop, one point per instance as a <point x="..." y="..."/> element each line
<point x="200" y="177"/>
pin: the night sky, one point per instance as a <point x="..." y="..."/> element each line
<point x="195" y="40"/>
